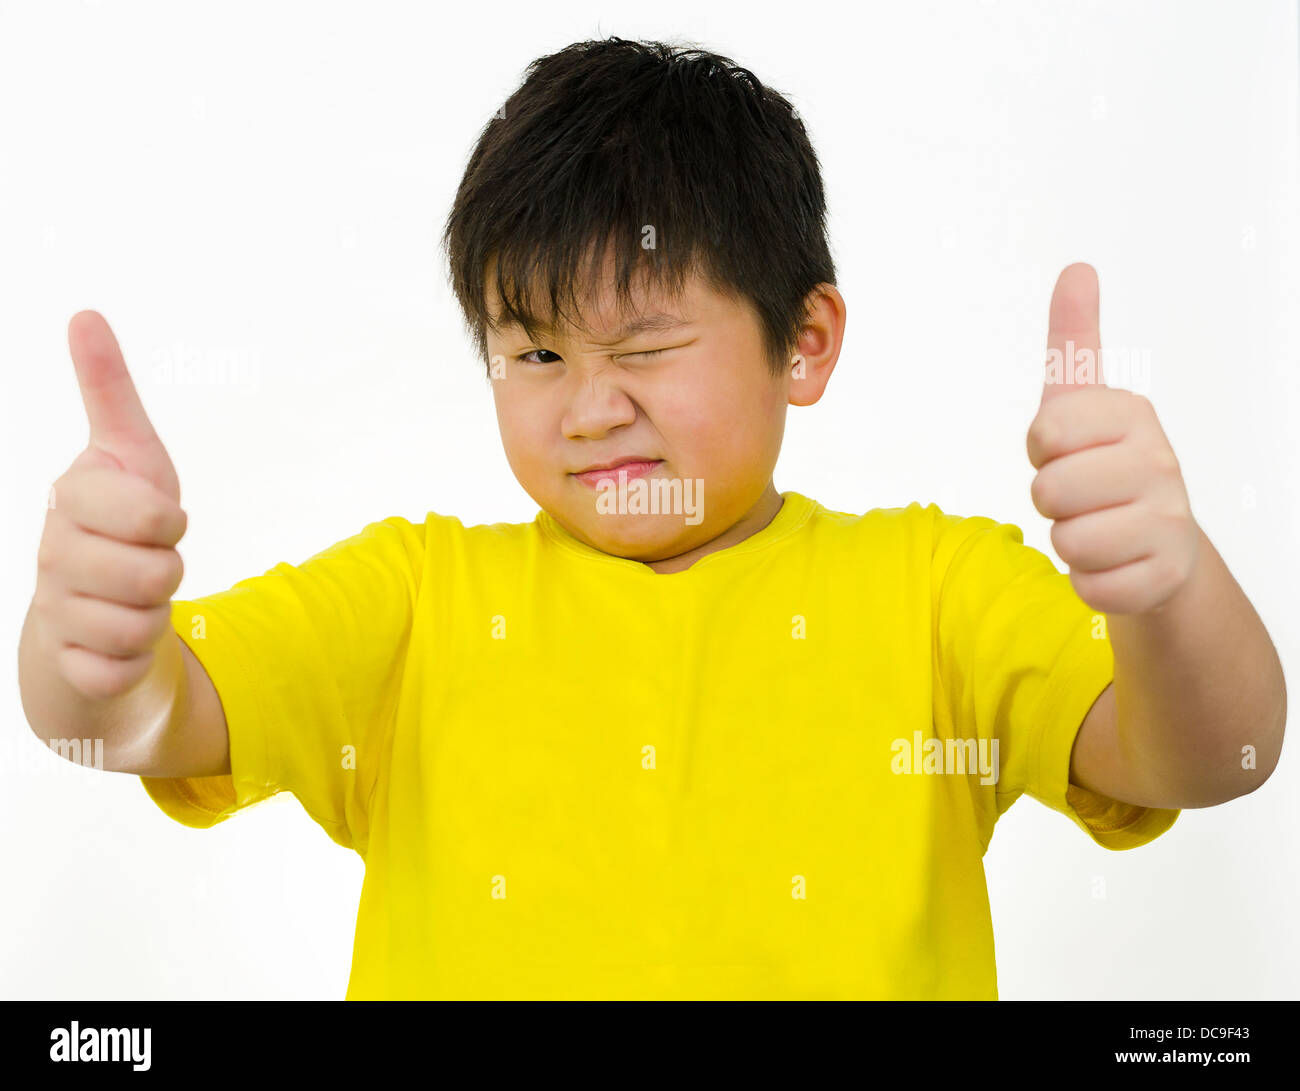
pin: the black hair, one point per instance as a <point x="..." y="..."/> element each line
<point x="611" y="144"/>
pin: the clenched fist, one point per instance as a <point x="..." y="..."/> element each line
<point x="107" y="564"/>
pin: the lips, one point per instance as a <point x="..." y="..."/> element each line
<point x="626" y="460"/>
<point x="625" y="467"/>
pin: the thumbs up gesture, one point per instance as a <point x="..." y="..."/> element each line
<point x="1107" y="475"/>
<point x="107" y="565"/>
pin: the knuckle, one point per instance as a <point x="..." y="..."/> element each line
<point x="1042" y="492"/>
<point x="176" y="572"/>
<point x="81" y="669"/>
<point x="47" y="555"/>
<point x="160" y="576"/>
<point x="1041" y="433"/>
<point x="134" y="633"/>
<point x="151" y="581"/>
<point x="1062" y="539"/>
<point x="149" y="521"/>
<point x="1050" y="439"/>
<point x="73" y="495"/>
<point x="98" y="675"/>
<point x="1166" y="462"/>
<point x="43" y="602"/>
<point x="1140" y="405"/>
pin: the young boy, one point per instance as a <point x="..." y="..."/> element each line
<point x="682" y="735"/>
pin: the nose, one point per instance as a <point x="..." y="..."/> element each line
<point x="598" y="405"/>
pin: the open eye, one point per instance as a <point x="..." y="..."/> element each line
<point x="523" y="357"/>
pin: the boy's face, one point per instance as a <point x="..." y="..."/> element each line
<point x="705" y="408"/>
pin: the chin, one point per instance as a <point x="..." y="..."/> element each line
<point x="639" y="537"/>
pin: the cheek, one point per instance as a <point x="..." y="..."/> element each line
<point x="687" y="418"/>
<point x="722" y="427"/>
<point x="517" y="427"/>
<point x="511" y="405"/>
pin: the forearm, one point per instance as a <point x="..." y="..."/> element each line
<point x="132" y="724"/>
<point x="1199" y="690"/>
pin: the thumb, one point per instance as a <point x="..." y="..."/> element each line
<point x="1074" y="332"/>
<point x="119" y="426"/>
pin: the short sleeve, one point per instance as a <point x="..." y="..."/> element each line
<point x="307" y="660"/>
<point x="1020" y="658"/>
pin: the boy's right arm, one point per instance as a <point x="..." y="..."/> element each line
<point x="98" y="656"/>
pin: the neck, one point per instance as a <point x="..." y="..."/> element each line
<point x="754" y="520"/>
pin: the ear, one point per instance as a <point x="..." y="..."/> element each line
<point x="817" y="349"/>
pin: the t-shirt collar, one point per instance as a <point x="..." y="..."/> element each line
<point x="792" y="515"/>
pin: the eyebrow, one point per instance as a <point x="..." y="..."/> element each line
<point x="653" y="322"/>
<point x="657" y="322"/>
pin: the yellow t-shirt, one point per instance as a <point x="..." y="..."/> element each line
<point x="569" y="776"/>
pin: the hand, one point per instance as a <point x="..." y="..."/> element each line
<point x="107" y="566"/>
<point x="1106" y="473"/>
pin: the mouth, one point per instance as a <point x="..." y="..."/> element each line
<point x="630" y="468"/>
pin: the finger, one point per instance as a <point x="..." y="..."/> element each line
<point x="133" y="575"/>
<point x="110" y="628"/>
<point x="99" y="676"/>
<point x="1089" y="417"/>
<point x="112" y="403"/>
<point x="1126" y="589"/>
<point x="1100" y="540"/>
<point x="1073" y="332"/>
<point x="119" y="505"/>
<point x="1088" y="480"/>
<point x="118" y="422"/>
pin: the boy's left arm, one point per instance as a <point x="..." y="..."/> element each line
<point x="1196" y="712"/>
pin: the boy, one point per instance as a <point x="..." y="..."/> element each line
<point x="682" y="735"/>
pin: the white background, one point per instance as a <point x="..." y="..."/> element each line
<point x="257" y="189"/>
